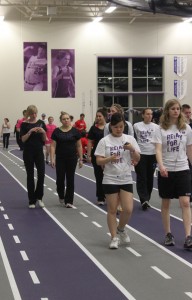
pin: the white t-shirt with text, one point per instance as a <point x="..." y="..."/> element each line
<point x="174" y="142"/>
<point x="145" y="133"/>
<point x="118" y="172"/>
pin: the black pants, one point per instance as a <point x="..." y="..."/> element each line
<point x="6" y="137"/>
<point x="65" y="171"/>
<point x="34" y="157"/>
<point x="98" y="171"/>
<point x="145" y="171"/>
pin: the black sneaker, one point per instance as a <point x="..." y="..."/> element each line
<point x="144" y="205"/>
<point x="188" y="242"/>
<point x="169" y="240"/>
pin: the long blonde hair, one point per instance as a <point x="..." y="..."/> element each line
<point x="165" y="119"/>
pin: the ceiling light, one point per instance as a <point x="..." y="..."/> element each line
<point x="188" y="20"/>
<point x="2" y="18"/>
<point x="110" y="9"/>
<point x="98" y="19"/>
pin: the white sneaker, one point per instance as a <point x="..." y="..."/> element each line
<point x="41" y="204"/>
<point x="124" y="238"/>
<point x="114" y="244"/>
<point x="31" y="205"/>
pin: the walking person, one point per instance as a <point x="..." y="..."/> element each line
<point x="95" y="134"/>
<point x="33" y="135"/>
<point x="144" y="132"/>
<point x="173" y="142"/>
<point x="50" y="128"/>
<point x="65" y="150"/>
<point x="5" y="132"/>
<point x="115" y="152"/>
<point x="128" y="128"/>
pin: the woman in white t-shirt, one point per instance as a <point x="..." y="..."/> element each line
<point x="144" y="132"/>
<point x="173" y="141"/>
<point x="115" y="152"/>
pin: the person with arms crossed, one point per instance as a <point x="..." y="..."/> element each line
<point x="144" y="132"/>
<point x="173" y="143"/>
<point x="115" y="152"/>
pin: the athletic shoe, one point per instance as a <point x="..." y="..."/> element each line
<point x="100" y="203"/>
<point x="124" y="238"/>
<point x="41" y="204"/>
<point x="114" y="244"/>
<point x="188" y="242"/>
<point x="31" y="205"/>
<point x="69" y="205"/>
<point x="61" y="201"/>
<point x="169" y="240"/>
<point x="144" y="205"/>
<point x="148" y="204"/>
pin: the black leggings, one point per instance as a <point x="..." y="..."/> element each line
<point x="6" y="137"/>
<point x="65" y="171"/>
<point x="34" y="157"/>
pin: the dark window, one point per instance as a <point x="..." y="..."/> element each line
<point x="120" y="67"/>
<point x="139" y="67"/>
<point x="105" y="67"/>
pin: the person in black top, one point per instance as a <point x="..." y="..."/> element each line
<point x="96" y="133"/>
<point x="33" y="135"/>
<point x="65" y="149"/>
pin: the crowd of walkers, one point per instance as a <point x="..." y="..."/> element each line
<point x="115" y="148"/>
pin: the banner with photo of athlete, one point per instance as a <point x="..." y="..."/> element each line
<point x="35" y="66"/>
<point x="63" y="73"/>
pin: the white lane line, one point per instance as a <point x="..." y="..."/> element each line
<point x="24" y="255"/>
<point x="55" y="194"/>
<point x="10" y="226"/>
<point x="2" y="208"/>
<point x="6" y="217"/>
<point x="49" y="189"/>
<point x="44" y="299"/>
<point x="84" y="215"/>
<point x="96" y="224"/>
<point x="34" y="277"/>
<point x="159" y="271"/>
<point x="93" y="259"/>
<point x="104" y="212"/>
<point x="9" y="272"/>
<point x="16" y="239"/>
<point x="45" y="184"/>
<point x="189" y="294"/>
<point x="133" y="251"/>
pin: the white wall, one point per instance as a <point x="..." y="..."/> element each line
<point x="89" y="40"/>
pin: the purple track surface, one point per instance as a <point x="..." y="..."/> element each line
<point x="64" y="271"/>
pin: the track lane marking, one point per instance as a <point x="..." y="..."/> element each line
<point x="133" y="251"/>
<point x="83" y="214"/>
<point x="9" y="272"/>
<point x="34" y="277"/>
<point x="189" y="294"/>
<point x="10" y="226"/>
<point x="160" y="272"/>
<point x="6" y="217"/>
<point x="16" y="239"/>
<point x="24" y="255"/>
<point x="96" y="224"/>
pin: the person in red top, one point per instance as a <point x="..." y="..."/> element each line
<point x="17" y="128"/>
<point x="80" y="124"/>
<point x="50" y="128"/>
<point x="84" y="142"/>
